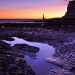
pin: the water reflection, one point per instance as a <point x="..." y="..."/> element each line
<point x="39" y="66"/>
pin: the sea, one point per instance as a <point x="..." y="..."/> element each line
<point x="21" y="21"/>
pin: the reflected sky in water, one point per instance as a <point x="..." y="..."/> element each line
<point x="39" y="65"/>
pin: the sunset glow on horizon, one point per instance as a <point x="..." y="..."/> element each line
<point x="32" y="8"/>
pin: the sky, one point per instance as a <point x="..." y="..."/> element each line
<point x="32" y="8"/>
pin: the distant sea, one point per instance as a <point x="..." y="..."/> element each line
<point x="21" y="21"/>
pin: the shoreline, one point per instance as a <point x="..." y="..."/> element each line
<point x="51" y="37"/>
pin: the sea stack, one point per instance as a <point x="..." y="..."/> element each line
<point x="70" y="10"/>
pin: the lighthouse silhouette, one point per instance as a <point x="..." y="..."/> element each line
<point x="43" y="16"/>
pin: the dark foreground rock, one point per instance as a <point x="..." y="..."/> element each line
<point x="64" y="52"/>
<point x="12" y="63"/>
<point x="6" y="37"/>
<point x="60" y="71"/>
<point x="65" y="59"/>
<point x="27" y="48"/>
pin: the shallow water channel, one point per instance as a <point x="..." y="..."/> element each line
<point x="39" y="65"/>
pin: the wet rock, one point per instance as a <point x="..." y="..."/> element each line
<point x="66" y="53"/>
<point x="11" y="62"/>
<point x="55" y="61"/>
<point x="6" y="37"/>
<point x="67" y="59"/>
<point x="72" y="69"/>
<point x="59" y="71"/>
<point x="27" y="48"/>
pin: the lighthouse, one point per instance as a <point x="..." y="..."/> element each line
<point x="43" y="17"/>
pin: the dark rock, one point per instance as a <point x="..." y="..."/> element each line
<point x="72" y="69"/>
<point x="70" y="10"/>
<point x="11" y="62"/>
<point x="27" y="48"/>
<point x="59" y="71"/>
<point x="6" y="37"/>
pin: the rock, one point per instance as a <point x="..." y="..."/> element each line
<point x="72" y="69"/>
<point x="25" y="47"/>
<point x="59" y="71"/>
<point x="6" y="37"/>
<point x="55" y="61"/>
<point x="11" y="62"/>
<point x="70" y="10"/>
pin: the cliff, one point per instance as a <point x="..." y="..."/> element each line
<point x="70" y="10"/>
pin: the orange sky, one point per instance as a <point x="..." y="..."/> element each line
<point x="34" y="12"/>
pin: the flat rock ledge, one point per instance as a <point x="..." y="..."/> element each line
<point x="60" y="71"/>
<point x="66" y="61"/>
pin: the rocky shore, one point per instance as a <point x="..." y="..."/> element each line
<point x="12" y="61"/>
<point x="57" y="32"/>
<point x="63" y="41"/>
